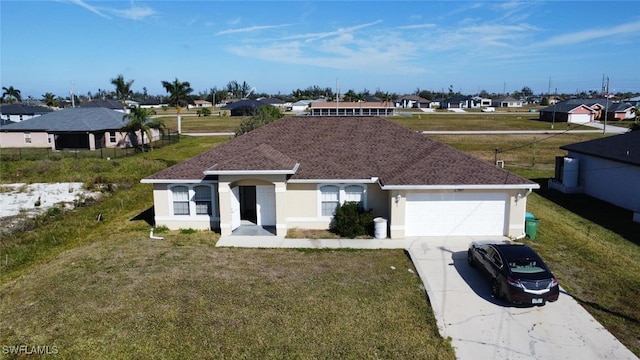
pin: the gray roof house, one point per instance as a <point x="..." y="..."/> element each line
<point x="20" y="112"/>
<point x="78" y="128"/>
<point x="607" y="168"/>
<point x="293" y="172"/>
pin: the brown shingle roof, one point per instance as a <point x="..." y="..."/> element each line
<point x="344" y="148"/>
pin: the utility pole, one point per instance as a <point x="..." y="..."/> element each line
<point x="553" y="119"/>
<point x="337" y="96"/>
<point x="606" y="105"/>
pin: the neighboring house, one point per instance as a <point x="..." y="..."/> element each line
<point x="107" y="104"/>
<point x="607" y="168"/>
<point x="344" y="108"/>
<point x="21" y="112"/>
<point x="478" y="101"/>
<point x="620" y="111"/>
<point x="245" y="107"/>
<point x="275" y="102"/>
<point x="302" y="106"/>
<point x="78" y="128"/>
<point x="507" y="101"/>
<point x="152" y="104"/>
<point x="293" y="172"/>
<point x="569" y="112"/>
<point x="200" y="104"/>
<point x="436" y="103"/>
<point x="457" y="102"/>
<point x="411" y="101"/>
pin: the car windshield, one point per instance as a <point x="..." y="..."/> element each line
<point x="526" y="266"/>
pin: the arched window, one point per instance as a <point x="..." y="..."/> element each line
<point x="330" y="199"/>
<point x="203" y="200"/>
<point x="354" y="193"/>
<point x="180" y="200"/>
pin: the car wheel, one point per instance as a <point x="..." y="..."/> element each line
<point x="470" y="258"/>
<point x="495" y="289"/>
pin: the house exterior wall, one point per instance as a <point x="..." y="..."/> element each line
<point x="162" y="209"/>
<point x="297" y="206"/>
<point x="18" y="118"/>
<point x="18" y="140"/>
<point x="601" y="179"/>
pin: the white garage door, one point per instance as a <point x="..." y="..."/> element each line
<point x="579" y="118"/>
<point x="455" y="214"/>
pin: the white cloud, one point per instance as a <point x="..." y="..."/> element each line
<point x="134" y="12"/>
<point x="630" y="29"/>
<point x="89" y="7"/>
<point x="250" y="29"/>
<point x="416" y="26"/>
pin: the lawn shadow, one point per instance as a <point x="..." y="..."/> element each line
<point x="148" y="215"/>
<point x="477" y="280"/>
<point x="609" y="216"/>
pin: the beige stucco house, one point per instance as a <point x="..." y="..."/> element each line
<point x="292" y="173"/>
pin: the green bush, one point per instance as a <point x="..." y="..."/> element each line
<point x="351" y="220"/>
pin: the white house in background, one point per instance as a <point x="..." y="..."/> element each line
<point x="293" y="172"/>
<point x="200" y="104"/>
<point x="21" y="112"/>
<point x="607" y="168"/>
<point x="507" y="102"/>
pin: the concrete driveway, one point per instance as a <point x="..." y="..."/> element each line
<point x="482" y="328"/>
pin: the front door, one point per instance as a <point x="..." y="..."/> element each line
<point x="266" y="205"/>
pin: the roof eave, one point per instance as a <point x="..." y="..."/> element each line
<point x="463" y="187"/>
<point x="253" y="172"/>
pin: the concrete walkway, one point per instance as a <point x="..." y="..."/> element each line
<point x="479" y="326"/>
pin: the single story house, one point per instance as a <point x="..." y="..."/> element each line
<point x="620" y="111"/>
<point x="200" y="104"/>
<point x="606" y="168"/>
<point x="293" y="172"/>
<point x="275" y="102"/>
<point x="506" y="101"/>
<point x="21" y="112"/>
<point x="152" y="104"/>
<point x="244" y="107"/>
<point x="354" y="108"/>
<point x="78" y="128"/>
<point x="411" y="101"/>
<point x="569" y="112"/>
<point x="457" y="102"/>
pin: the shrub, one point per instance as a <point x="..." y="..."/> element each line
<point x="351" y="220"/>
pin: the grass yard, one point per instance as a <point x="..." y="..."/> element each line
<point x="105" y="290"/>
<point x="126" y="296"/>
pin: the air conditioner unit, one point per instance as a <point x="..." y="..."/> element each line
<point x="500" y="164"/>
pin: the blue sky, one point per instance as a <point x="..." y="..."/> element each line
<point x="280" y="46"/>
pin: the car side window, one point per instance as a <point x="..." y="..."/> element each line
<point x="493" y="255"/>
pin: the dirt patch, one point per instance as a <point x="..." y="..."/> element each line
<point x="20" y="201"/>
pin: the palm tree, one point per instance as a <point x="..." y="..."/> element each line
<point x="350" y="95"/>
<point x="12" y="93"/>
<point x="386" y="98"/>
<point x="138" y="120"/>
<point x="179" y="96"/>
<point x="123" y="88"/>
<point x="49" y="99"/>
<point x="179" y="92"/>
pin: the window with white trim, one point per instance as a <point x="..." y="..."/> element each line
<point x="330" y="199"/>
<point x="27" y="137"/>
<point x="112" y="137"/>
<point x="180" y="200"/>
<point x="202" y="199"/>
<point x="354" y="193"/>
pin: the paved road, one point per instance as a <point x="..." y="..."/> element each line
<point x="479" y="326"/>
